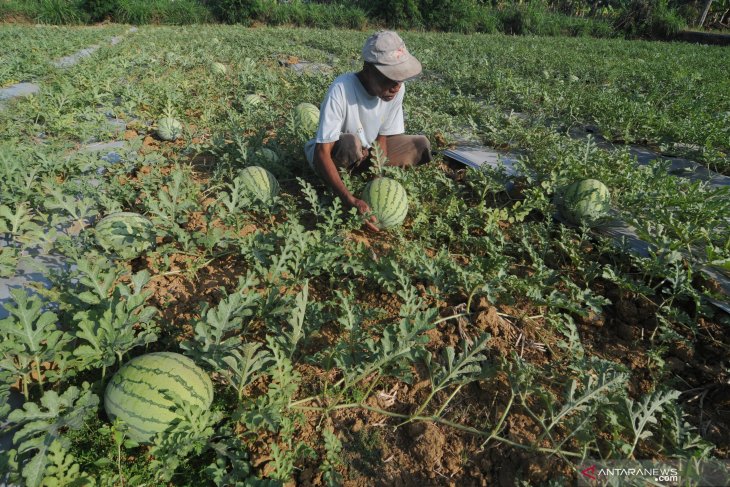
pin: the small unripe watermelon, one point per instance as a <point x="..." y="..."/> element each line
<point x="136" y="393"/>
<point x="585" y="202"/>
<point x="307" y="117"/>
<point x="259" y="183"/>
<point x="267" y="155"/>
<point x="388" y="200"/>
<point x="125" y="234"/>
<point x="168" y="128"/>
<point x="218" y="69"/>
<point x="253" y="99"/>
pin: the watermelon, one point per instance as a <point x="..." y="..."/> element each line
<point x="218" y="69"/>
<point x="253" y="99"/>
<point x="258" y="183"/>
<point x="267" y="155"/>
<point x="125" y="234"/>
<point x="388" y="200"/>
<point x="171" y="58"/>
<point x="585" y="202"/>
<point x="136" y="393"/>
<point x="168" y="128"/>
<point x="307" y="117"/>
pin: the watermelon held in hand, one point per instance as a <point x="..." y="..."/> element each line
<point x="168" y="128"/>
<point x="139" y="393"/>
<point x="388" y="200"/>
<point x="258" y="183"/>
<point x="125" y="234"/>
<point x="307" y="117"/>
<point x="585" y="202"/>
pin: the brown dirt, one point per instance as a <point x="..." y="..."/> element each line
<point x="425" y="454"/>
<point x="378" y="451"/>
<point x="16" y="18"/>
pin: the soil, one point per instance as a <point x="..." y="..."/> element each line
<point x="380" y="451"/>
<point x="376" y="452"/>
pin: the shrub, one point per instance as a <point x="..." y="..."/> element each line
<point x="240" y="11"/>
<point x="652" y="18"/>
<point x="451" y="15"/>
<point x="60" y="12"/>
<point x="536" y="19"/>
<point x="395" y="13"/>
<point x="512" y="20"/>
<point x="294" y="13"/>
<point x="14" y="10"/>
<point x="99" y="10"/>
<point x="664" y="22"/>
<point x="161" y="11"/>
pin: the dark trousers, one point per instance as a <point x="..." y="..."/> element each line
<point x="403" y="150"/>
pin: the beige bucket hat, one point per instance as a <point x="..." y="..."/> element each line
<point x="387" y="51"/>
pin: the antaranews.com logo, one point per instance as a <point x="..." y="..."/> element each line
<point x="668" y="473"/>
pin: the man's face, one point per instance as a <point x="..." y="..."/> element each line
<point x="385" y="88"/>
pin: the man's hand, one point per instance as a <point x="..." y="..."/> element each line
<point x="364" y="209"/>
<point x="325" y="167"/>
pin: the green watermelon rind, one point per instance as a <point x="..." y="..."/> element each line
<point x="584" y="202"/>
<point x="169" y="129"/>
<point x="259" y="183"/>
<point x="218" y="69"/>
<point x="388" y="200"/>
<point x="268" y="155"/>
<point x="132" y="245"/>
<point x="253" y="99"/>
<point x="135" y="394"/>
<point x="307" y="116"/>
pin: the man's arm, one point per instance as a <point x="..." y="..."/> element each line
<point x="325" y="167"/>
<point x="382" y="141"/>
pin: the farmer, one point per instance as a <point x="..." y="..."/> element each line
<point x="363" y="108"/>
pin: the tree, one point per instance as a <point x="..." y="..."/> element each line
<point x="705" y="11"/>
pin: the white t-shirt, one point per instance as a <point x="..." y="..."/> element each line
<point x="348" y="108"/>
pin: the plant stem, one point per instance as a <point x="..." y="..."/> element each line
<point x="453" y="394"/>
<point x="491" y="435"/>
<point x="38" y="371"/>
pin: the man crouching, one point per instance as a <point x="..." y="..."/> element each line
<point x="363" y="108"/>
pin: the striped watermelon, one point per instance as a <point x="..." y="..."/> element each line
<point x="218" y="69"/>
<point x="253" y="99"/>
<point x="267" y="155"/>
<point x="388" y="200"/>
<point x="125" y="234"/>
<point x="168" y="128"/>
<point x="258" y="183"/>
<point x="307" y="117"/>
<point x="135" y="394"/>
<point x="585" y="202"/>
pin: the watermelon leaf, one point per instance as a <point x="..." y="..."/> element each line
<point x="42" y="426"/>
<point x="244" y="365"/>
<point x="62" y="469"/>
<point x="640" y="415"/>
<point x="17" y="222"/>
<point x="288" y="340"/>
<point x="217" y="335"/>
<point x="187" y="436"/>
<point x="29" y="337"/>
<point x="116" y="324"/>
<point x="465" y="367"/>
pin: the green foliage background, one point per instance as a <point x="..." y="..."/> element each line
<point x="659" y="19"/>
